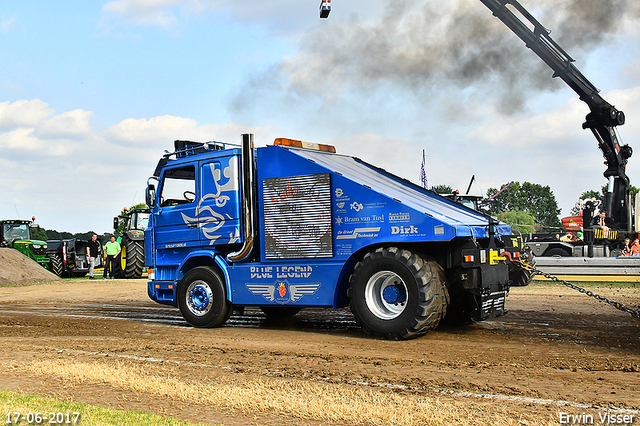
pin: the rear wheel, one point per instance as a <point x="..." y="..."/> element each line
<point x="397" y="294"/>
<point x="557" y="252"/>
<point x="616" y="252"/>
<point x="131" y="260"/>
<point x="56" y="264"/>
<point x="202" y="298"/>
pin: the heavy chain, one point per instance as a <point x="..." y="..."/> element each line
<point x="635" y="312"/>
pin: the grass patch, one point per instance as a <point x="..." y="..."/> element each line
<point x="13" y="402"/>
<point x="312" y="400"/>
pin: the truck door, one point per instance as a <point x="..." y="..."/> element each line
<point x="219" y="204"/>
<point x="176" y="223"/>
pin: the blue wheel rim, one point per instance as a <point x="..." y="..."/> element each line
<point x="199" y="298"/>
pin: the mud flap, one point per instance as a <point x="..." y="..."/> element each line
<point x="493" y="304"/>
<point x="493" y="291"/>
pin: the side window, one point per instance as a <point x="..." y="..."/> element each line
<point x="178" y="186"/>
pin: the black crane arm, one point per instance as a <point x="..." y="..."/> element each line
<point x="553" y="55"/>
<point x="602" y="118"/>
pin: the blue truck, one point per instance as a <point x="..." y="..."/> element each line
<point x="295" y="225"/>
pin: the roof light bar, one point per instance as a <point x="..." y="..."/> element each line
<point x="303" y="144"/>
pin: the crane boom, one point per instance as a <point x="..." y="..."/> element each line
<point x="602" y="118"/>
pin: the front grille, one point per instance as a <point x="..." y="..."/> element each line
<point x="38" y="248"/>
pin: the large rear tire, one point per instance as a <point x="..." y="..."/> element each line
<point x="397" y="294"/>
<point x="131" y="258"/>
<point x="56" y="264"/>
<point x="202" y="298"/>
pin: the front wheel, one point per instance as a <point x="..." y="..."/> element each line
<point x="397" y="294"/>
<point x="202" y="298"/>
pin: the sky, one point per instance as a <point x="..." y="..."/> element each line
<point x="93" y="92"/>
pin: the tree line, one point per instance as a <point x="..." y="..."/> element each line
<point x="38" y="233"/>
<point x="529" y="207"/>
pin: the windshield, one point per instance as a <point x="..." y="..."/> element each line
<point x="141" y="221"/>
<point x="468" y="203"/>
<point x="15" y="231"/>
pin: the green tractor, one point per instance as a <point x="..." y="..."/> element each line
<point x="17" y="234"/>
<point x="131" y="225"/>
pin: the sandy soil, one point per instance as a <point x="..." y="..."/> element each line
<point x="555" y="351"/>
<point x="16" y="268"/>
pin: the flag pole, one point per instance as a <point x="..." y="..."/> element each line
<point x="423" y="173"/>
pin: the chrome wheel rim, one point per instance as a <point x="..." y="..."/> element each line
<point x="199" y="298"/>
<point x="386" y="295"/>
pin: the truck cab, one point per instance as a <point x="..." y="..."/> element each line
<point x="295" y="225"/>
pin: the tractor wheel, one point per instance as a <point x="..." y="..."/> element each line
<point x="131" y="259"/>
<point x="397" y="294"/>
<point x="56" y="264"/>
<point x="202" y="298"/>
<point x="525" y="276"/>
<point x="279" y="312"/>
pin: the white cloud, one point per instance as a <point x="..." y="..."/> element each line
<point x="145" y="12"/>
<point x="161" y="131"/>
<point x="56" y="167"/>
<point x="70" y="124"/>
<point x="539" y="131"/>
<point x="142" y="131"/>
<point x="33" y="130"/>
<point x="5" y="24"/>
<point x="553" y="149"/>
<point x="23" y="113"/>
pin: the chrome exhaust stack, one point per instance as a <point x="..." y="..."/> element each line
<point x="247" y="200"/>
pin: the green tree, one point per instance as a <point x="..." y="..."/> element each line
<point x="443" y="189"/>
<point x="38" y="233"/>
<point x="535" y="199"/>
<point x="519" y="220"/>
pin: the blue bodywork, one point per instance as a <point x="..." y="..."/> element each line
<point x="317" y="214"/>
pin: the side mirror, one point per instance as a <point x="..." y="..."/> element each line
<point x="116" y="222"/>
<point x="151" y="195"/>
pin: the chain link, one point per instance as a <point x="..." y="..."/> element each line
<point x="635" y="312"/>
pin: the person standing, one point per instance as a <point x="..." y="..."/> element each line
<point x="111" y="250"/>
<point x="93" y="251"/>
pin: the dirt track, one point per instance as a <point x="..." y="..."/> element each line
<point x="555" y="351"/>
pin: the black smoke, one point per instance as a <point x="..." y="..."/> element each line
<point x="421" y="46"/>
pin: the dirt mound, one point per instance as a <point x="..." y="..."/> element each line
<point x="16" y="268"/>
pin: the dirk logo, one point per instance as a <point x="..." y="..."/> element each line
<point x="402" y="230"/>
